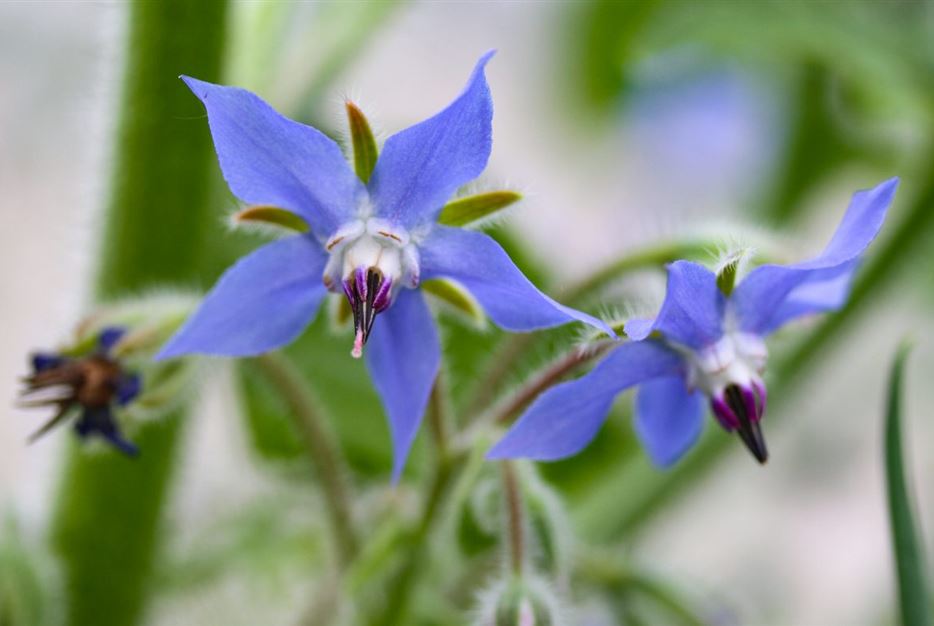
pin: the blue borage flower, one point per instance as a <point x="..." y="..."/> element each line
<point x="93" y="383"/>
<point x="702" y="343"/>
<point x="372" y="242"/>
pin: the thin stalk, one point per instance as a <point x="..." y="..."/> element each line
<point x="516" y="346"/>
<point x="322" y="449"/>
<point x="538" y="383"/>
<point x="547" y="378"/>
<point x="515" y="522"/>
<point x="439" y="417"/>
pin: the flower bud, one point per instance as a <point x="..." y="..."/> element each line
<point x="520" y="601"/>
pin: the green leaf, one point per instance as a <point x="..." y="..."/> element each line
<point x="466" y="210"/>
<point x="912" y="585"/>
<point x="272" y="216"/>
<point x="457" y="298"/>
<point x="365" y="151"/>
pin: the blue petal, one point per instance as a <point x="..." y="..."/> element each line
<point x="42" y="361"/>
<point x="564" y="419"/>
<point x="128" y="388"/>
<point x="269" y="159"/>
<point x="422" y="166"/>
<point x="109" y="337"/>
<point x="261" y="303"/>
<point x="668" y="419"/>
<point x="692" y="313"/>
<point x="403" y="355"/>
<point x="483" y="267"/>
<point x="774" y="294"/>
<point x="100" y="421"/>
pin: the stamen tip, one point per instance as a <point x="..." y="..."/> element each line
<point x="357" y="351"/>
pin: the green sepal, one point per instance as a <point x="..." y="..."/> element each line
<point x="469" y="209"/>
<point x="727" y="271"/>
<point x="522" y="602"/>
<point x="270" y="216"/>
<point x="365" y="151"/>
<point x="458" y="298"/>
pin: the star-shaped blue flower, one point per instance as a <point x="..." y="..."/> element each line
<point x="372" y="242"/>
<point x="703" y="343"/>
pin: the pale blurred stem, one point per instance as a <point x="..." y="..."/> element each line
<point x="439" y="418"/>
<point x="401" y="586"/>
<point x="511" y="350"/>
<point x="448" y="466"/>
<point x="514" y="517"/>
<point x="606" y="571"/>
<point x="323" y="451"/>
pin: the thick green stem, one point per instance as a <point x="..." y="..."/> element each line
<point x="322" y="449"/>
<point x="109" y="507"/>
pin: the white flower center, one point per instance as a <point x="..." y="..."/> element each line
<point x="738" y="358"/>
<point x="371" y="244"/>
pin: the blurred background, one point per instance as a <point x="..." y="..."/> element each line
<point x="622" y="124"/>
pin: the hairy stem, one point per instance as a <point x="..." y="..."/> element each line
<point x="439" y="418"/>
<point x="322" y="450"/>
<point x="514" y="518"/>
<point x="109" y="509"/>
<point x="544" y="379"/>
<point x="511" y="351"/>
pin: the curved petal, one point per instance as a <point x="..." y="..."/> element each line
<point x="761" y="301"/>
<point x="403" y="355"/>
<point x="264" y="301"/>
<point x="564" y="419"/>
<point x="668" y="418"/>
<point x="423" y="165"/>
<point x="269" y="159"/>
<point x="692" y="313"/>
<point x="480" y="264"/>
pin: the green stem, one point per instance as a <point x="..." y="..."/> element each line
<point x="108" y="511"/>
<point x="322" y="449"/>
<point x="515" y="524"/>
<point x="546" y="378"/>
<point x="907" y="548"/>
<point x="439" y="418"/>
<point x="511" y="351"/>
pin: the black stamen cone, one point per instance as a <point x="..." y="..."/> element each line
<point x="749" y="430"/>
<point x="364" y="312"/>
